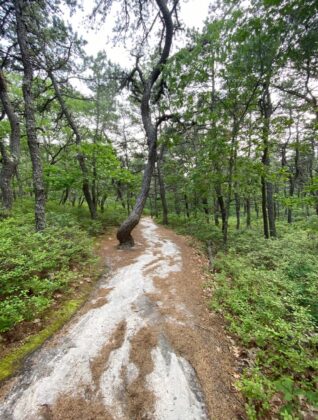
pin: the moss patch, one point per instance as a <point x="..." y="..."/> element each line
<point x="10" y="363"/>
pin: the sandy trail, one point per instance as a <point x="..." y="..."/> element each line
<point x="133" y="351"/>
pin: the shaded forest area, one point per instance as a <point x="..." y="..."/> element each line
<point x="212" y="132"/>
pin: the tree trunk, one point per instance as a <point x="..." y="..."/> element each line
<point x="95" y="139"/>
<point x="128" y="200"/>
<point x="288" y="211"/>
<point x="6" y="174"/>
<point x="266" y="109"/>
<point x="270" y="209"/>
<point x="102" y="202"/>
<point x="94" y="189"/>
<point x="264" y="208"/>
<point x="124" y="232"/>
<point x="291" y="193"/>
<point x="81" y="201"/>
<point x="205" y="205"/>
<point x="26" y="56"/>
<point x="248" y="212"/>
<point x="216" y="212"/>
<point x="80" y="156"/>
<point x="120" y="194"/>
<point x="176" y="202"/>
<point x="222" y="207"/>
<point x="67" y="192"/>
<point x="19" y="182"/>
<point x="256" y="207"/>
<point x="65" y="196"/>
<point x="195" y="204"/>
<point x="294" y="177"/>
<point x="186" y="204"/>
<point x="162" y="189"/>
<point x="237" y="210"/>
<point x="232" y="167"/>
<point x="10" y="158"/>
<point x="155" y="195"/>
<point x="151" y="206"/>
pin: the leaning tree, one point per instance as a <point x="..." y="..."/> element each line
<point x="146" y="81"/>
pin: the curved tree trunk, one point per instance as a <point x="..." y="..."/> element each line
<point x="26" y="56"/>
<point x="124" y="232"/>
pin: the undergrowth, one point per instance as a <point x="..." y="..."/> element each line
<point x="34" y="266"/>
<point x="268" y="292"/>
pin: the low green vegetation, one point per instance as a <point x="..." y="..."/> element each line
<point x="35" y="266"/>
<point x="268" y="293"/>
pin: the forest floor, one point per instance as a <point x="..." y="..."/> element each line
<point x="144" y="346"/>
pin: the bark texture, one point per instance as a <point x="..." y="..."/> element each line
<point x="21" y="13"/>
<point x="10" y="158"/>
<point x="222" y="207"/>
<point x="124" y="232"/>
<point x="268" y="207"/>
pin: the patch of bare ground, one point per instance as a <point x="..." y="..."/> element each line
<point x="100" y="299"/>
<point x="70" y="407"/>
<point x="140" y="398"/>
<point x="6" y="387"/>
<point x="98" y="365"/>
<point x="201" y="339"/>
<point x="117" y="258"/>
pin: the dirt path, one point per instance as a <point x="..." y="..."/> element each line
<point x="143" y="347"/>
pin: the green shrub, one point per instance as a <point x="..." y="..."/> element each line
<point x="34" y="266"/>
<point x="267" y="290"/>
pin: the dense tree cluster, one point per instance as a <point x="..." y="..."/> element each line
<point x="244" y="97"/>
<point x="236" y="109"/>
<point x="66" y="133"/>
